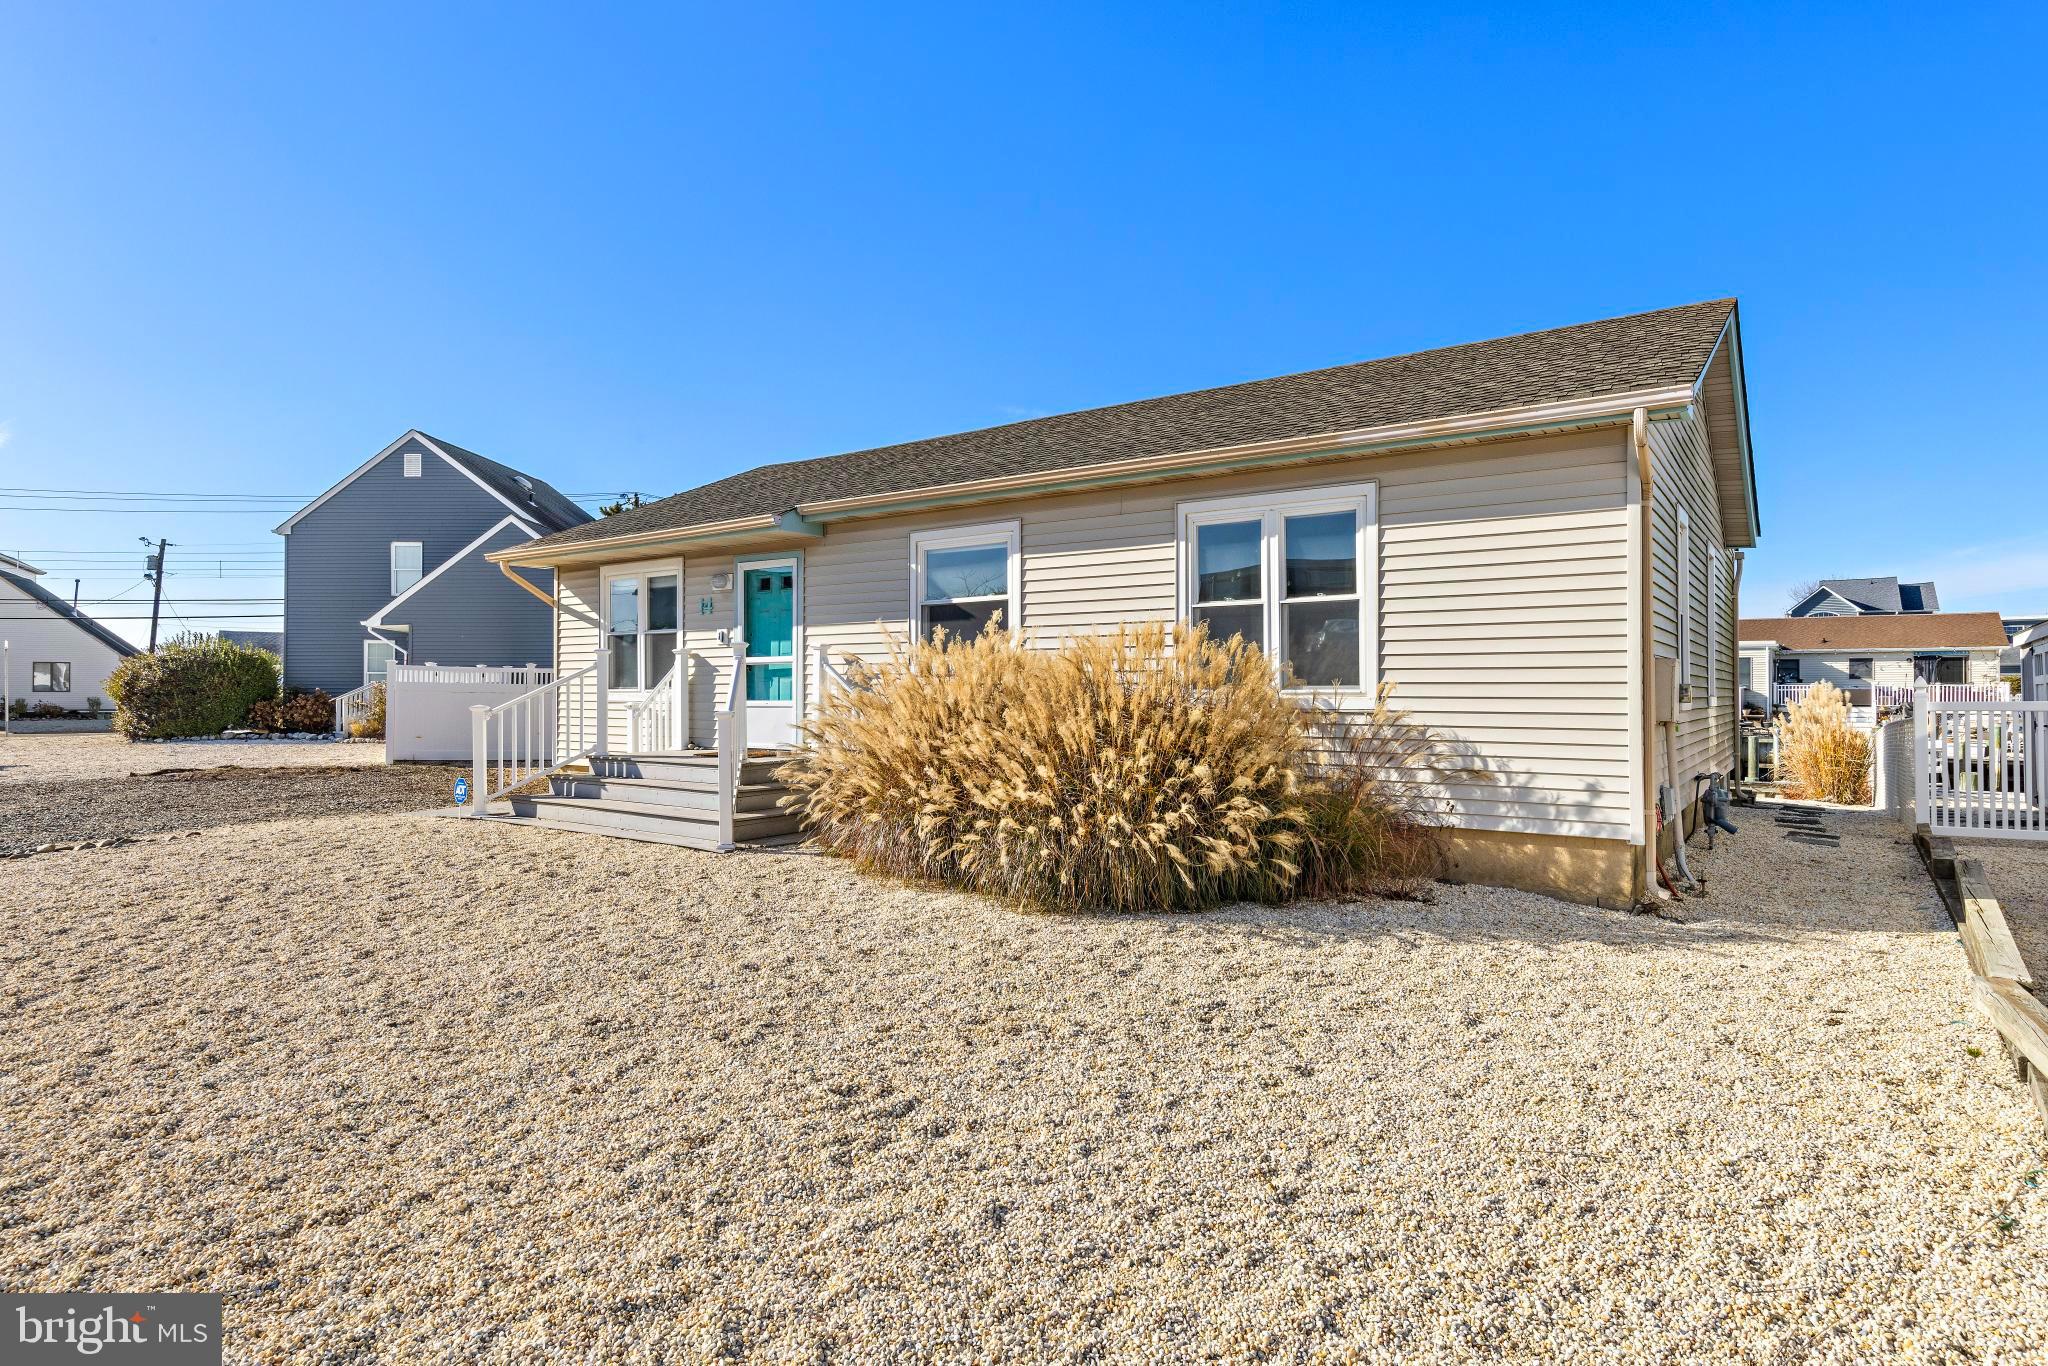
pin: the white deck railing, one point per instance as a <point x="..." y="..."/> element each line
<point x="536" y="733"/>
<point x="656" y="723"/>
<point x="732" y="747"/>
<point x="1894" y="696"/>
<point x="351" y="707"/>
<point x="514" y="676"/>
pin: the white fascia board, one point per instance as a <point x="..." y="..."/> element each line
<point x="376" y="619"/>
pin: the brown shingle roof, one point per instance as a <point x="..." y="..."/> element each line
<point x="1617" y="355"/>
<point x="1917" y="631"/>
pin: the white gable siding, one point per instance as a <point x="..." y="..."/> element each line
<point x="33" y="632"/>
<point x="1503" y="603"/>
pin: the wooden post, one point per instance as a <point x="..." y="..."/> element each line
<point x="479" y="761"/>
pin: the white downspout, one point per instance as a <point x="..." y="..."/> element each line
<point x="1646" y="869"/>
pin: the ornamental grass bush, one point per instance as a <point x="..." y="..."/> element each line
<point x="1377" y="797"/>
<point x="194" y="685"/>
<point x="1110" y="773"/>
<point x="1115" y="773"/>
<point x="1820" y="755"/>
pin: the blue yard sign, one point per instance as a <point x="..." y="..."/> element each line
<point x="462" y="792"/>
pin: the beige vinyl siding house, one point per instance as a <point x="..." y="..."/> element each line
<point x="1496" y="578"/>
<point x="1855" y="650"/>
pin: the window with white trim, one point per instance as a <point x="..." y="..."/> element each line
<point x="407" y="562"/>
<point x="412" y="464"/>
<point x="377" y="659"/>
<point x="641" y="627"/>
<point x="963" y="580"/>
<point x="1291" y="572"/>
<point x="1684" y="606"/>
<point x="50" y="675"/>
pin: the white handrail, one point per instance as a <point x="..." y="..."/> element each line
<point x="351" y="707"/>
<point x="732" y="747"/>
<point x="834" y="677"/>
<point x="536" y="733"/>
<point x="655" y="723"/>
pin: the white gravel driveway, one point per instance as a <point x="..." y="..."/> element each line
<point x="405" y="1089"/>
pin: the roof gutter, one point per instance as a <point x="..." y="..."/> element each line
<point x="808" y="519"/>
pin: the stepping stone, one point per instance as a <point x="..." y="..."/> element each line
<point x="1825" y="841"/>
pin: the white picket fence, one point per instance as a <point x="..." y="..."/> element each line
<point x="1981" y="767"/>
<point x="427" y="706"/>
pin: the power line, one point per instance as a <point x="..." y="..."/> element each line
<point x="209" y="616"/>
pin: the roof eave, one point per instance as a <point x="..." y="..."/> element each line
<point x="1531" y="420"/>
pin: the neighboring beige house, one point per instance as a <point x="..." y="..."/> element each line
<point x="1856" y="651"/>
<point x="1524" y="536"/>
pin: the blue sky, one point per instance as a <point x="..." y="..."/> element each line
<point x="244" y="248"/>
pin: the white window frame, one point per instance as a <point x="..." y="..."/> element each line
<point x="397" y="657"/>
<point x="397" y="587"/>
<point x="52" y="665"/>
<point x="1684" y="607"/>
<point x="642" y="570"/>
<point x="1714" y="574"/>
<point x="412" y="464"/>
<point x="1273" y="509"/>
<point x="1005" y="534"/>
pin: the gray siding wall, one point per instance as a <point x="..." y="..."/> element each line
<point x="472" y="614"/>
<point x="337" y="561"/>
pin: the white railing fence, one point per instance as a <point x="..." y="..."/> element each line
<point x="488" y="675"/>
<point x="1981" y="767"/>
<point x="352" y="706"/>
<point x="657" y="723"/>
<point x="732" y="746"/>
<point x="536" y="733"/>
<point x="1968" y="692"/>
<point x="846" y="675"/>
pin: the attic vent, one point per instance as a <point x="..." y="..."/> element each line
<point x="412" y="464"/>
<point x="525" y="484"/>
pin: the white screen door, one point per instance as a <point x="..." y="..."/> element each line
<point x="768" y="594"/>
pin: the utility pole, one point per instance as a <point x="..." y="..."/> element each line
<point x="155" y="572"/>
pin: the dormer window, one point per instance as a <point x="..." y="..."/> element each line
<point x="412" y="464"/>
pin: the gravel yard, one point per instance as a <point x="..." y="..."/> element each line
<point x="407" y="1089"/>
<point x="2018" y="870"/>
<point x="60" y="788"/>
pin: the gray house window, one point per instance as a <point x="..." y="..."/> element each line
<point x="412" y="464"/>
<point x="50" y="675"/>
<point x="1744" y="669"/>
<point x="406" y="564"/>
<point x="1860" y="670"/>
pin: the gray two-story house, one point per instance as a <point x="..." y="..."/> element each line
<point x="388" y="565"/>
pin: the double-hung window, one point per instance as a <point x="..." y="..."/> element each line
<point x="1293" y="573"/>
<point x="640" y="627"/>
<point x="964" y="580"/>
<point x="50" y="675"/>
<point x="407" y="562"/>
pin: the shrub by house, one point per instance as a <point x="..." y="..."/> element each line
<point x="195" y="685"/>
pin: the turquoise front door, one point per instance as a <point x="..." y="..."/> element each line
<point x="768" y="628"/>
